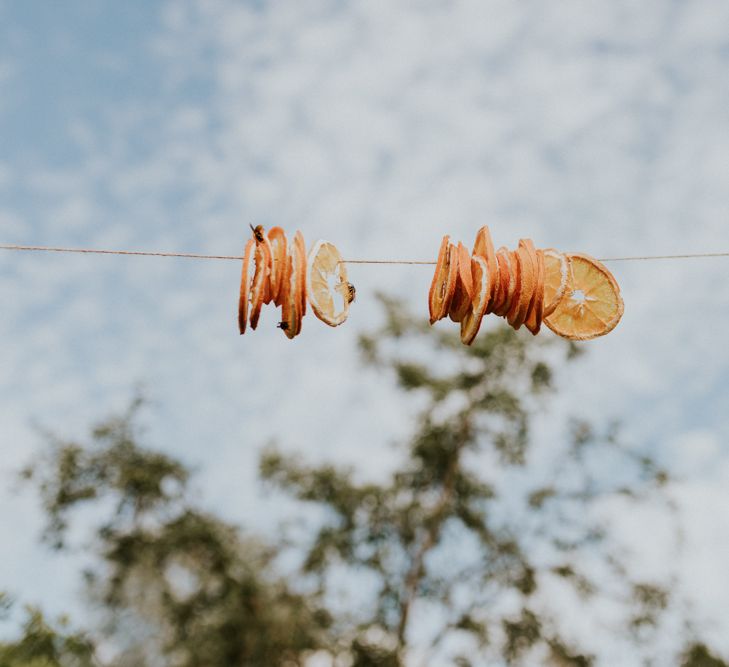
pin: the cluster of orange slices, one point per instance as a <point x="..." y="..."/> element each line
<point x="277" y="269"/>
<point x="572" y="293"/>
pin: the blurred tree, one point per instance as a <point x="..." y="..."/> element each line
<point x="451" y="559"/>
<point x="177" y="585"/>
<point x="43" y="645"/>
<point x="456" y="539"/>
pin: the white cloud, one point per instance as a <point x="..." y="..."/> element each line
<point x="599" y="127"/>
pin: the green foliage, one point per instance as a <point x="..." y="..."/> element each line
<point x="43" y="645"/>
<point x="698" y="655"/>
<point x="177" y="584"/>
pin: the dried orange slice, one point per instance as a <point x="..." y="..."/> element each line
<point x="461" y="302"/>
<point x="300" y="266"/>
<point x="278" y="244"/>
<point x="536" y="307"/>
<point x="245" y="284"/>
<point x="592" y="305"/>
<point x="260" y="286"/>
<point x="484" y="247"/>
<point x="290" y="319"/>
<point x="527" y="284"/>
<point x="444" y="281"/>
<point x="326" y="284"/>
<point x="483" y="282"/>
<point x="555" y="279"/>
<point x="291" y="293"/>
<point x="518" y="299"/>
<point x="516" y="269"/>
<point x="507" y="283"/>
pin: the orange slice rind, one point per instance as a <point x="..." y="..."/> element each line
<point x="591" y="305"/>
<point x="327" y="284"/>
<point x="245" y="284"/>
<point x="443" y="285"/>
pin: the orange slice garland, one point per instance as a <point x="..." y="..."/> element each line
<point x="591" y="306"/>
<point x="572" y="293"/>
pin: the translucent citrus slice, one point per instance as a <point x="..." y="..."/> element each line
<point x="592" y="305"/>
<point x="536" y="307"/>
<point x="260" y="286"/>
<point x="444" y="281"/>
<point x="327" y="284"/>
<point x="461" y="302"/>
<point x="245" y="284"/>
<point x="555" y="279"/>
<point x="483" y="280"/>
<point x="277" y="241"/>
<point x="484" y="247"/>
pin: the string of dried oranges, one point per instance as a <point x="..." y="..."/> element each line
<point x="279" y="271"/>
<point x="572" y="293"/>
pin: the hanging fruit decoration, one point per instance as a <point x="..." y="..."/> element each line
<point x="572" y="293"/>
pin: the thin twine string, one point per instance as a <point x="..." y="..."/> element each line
<point x="188" y="255"/>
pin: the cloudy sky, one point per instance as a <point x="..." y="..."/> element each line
<point x="600" y="127"/>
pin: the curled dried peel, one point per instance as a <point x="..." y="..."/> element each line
<point x="591" y="306"/>
<point x="326" y="281"/>
<point x="443" y="285"/>
<point x="483" y="282"/>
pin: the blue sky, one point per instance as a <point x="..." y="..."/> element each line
<point x="587" y="126"/>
